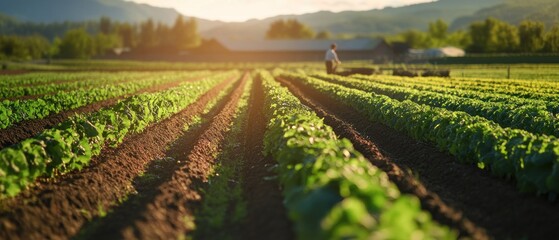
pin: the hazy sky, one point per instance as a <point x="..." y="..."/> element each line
<point x="240" y="10"/>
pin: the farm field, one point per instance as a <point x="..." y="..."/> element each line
<point x="276" y="151"/>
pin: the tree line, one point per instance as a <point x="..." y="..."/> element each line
<point x="488" y="36"/>
<point x="293" y="29"/>
<point x="93" y="39"/>
<point x="27" y="41"/>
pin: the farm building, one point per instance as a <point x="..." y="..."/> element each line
<point x="273" y="50"/>
<point x="293" y="50"/>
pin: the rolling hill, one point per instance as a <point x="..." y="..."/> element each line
<point x="515" y="11"/>
<point x="376" y="21"/>
<point x="389" y="20"/>
<point x="86" y="10"/>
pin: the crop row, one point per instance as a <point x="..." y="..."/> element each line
<point x="93" y="81"/>
<point x="425" y="84"/>
<point x="532" y="159"/>
<point x="223" y="208"/>
<point x="551" y="101"/>
<point x="545" y="87"/>
<point x="12" y="112"/>
<point x="42" y="78"/>
<point x="71" y="145"/>
<point x="509" y="85"/>
<point x="533" y="118"/>
<point x="331" y="191"/>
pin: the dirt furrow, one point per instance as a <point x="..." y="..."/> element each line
<point x="26" y="129"/>
<point x="405" y="181"/>
<point x="170" y="214"/>
<point x="14" y="72"/>
<point x="266" y="214"/>
<point x="459" y="195"/>
<point x="146" y="185"/>
<point x="57" y="209"/>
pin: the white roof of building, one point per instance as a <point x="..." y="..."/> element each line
<point x="438" y="52"/>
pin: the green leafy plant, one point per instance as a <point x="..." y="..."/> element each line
<point x="331" y="191"/>
<point x="70" y="145"/>
<point x="532" y="159"/>
<point x="12" y="112"/>
<point x="530" y="117"/>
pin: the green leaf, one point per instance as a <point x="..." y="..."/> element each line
<point x="90" y="129"/>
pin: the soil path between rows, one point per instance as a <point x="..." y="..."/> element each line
<point x="170" y="214"/>
<point x="158" y="173"/>
<point x="30" y="128"/>
<point x="266" y="214"/>
<point x="459" y="195"/>
<point x="14" y="72"/>
<point x="59" y="208"/>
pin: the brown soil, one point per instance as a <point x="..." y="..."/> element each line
<point x="58" y="208"/>
<point x="30" y="128"/>
<point x="13" y="72"/>
<point x="147" y="189"/>
<point x="266" y="214"/>
<point x="459" y="195"/>
<point x="167" y="216"/>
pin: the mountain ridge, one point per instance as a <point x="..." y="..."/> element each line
<point x="91" y="10"/>
<point x="389" y="20"/>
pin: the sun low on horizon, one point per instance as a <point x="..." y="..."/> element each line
<point x="242" y="10"/>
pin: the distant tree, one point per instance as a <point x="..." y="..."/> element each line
<point x="185" y="33"/>
<point x="480" y="35"/>
<point x="459" y="39"/>
<point x="493" y="36"/>
<point x="77" y="43"/>
<point x="12" y="48"/>
<point x="532" y="36"/>
<point x="323" y="35"/>
<point x="165" y="39"/>
<point x="507" y="38"/>
<point x="38" y="46"/>
<point x="147" y="35"/>
<point x="416" y="39"/>
<point x="179" y="33"/>
<point x="552" y="40"/>
<point x="21" y="48"/>
<point x="289" y="29"/>
<point x="193" y="35"/>
<point x="298" y="30"/>
<point x="277" y="30"/>
<point x="105" y="25"/>
<point x="127" y="34"/>
<point x="104" y="42"/>
<point x="438" y="30"/>
<point x="54" y="48"/>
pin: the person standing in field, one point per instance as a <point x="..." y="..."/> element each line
<point x="331" y="59"/>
